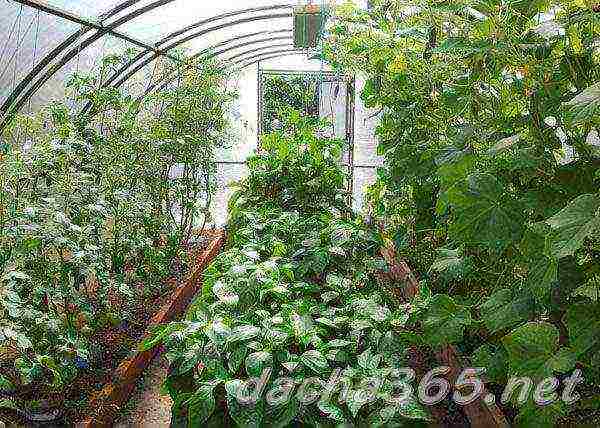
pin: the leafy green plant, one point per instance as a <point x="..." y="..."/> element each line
<point x="88" y="215"/>
<point x="296" y="293"/>
<point x="482" y="102"/>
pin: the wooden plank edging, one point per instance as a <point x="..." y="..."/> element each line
<point x="114" y="395"/>
<point x="481" y="413"/>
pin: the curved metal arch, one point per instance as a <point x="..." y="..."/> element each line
<point x="258" y="50"/>
<point x="39" y="67"/>
<point x="221" y="16"/>
<point x="142" y="64"/>
<point x="171" y="36"/>
<point x="11" y="105"/>
<point x="243" y="64"/>
<point x="168" y="79"/>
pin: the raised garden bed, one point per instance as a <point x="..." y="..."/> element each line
<point x="480" y="413"/>
<point x="97" y="394"/>
<point x="107" y="402"/>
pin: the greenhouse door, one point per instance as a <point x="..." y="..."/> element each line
<point x="315" y="93"/>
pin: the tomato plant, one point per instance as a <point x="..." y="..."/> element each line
<point x="92" y="217"/>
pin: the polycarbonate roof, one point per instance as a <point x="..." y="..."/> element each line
<point x="42" y="42"/>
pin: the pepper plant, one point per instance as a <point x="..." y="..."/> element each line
<point x="295" y="296"/>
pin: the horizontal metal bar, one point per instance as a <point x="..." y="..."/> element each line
<point x="286" y="71"/>
<point x="281" y="45"/>
<point x="258" y="58"/>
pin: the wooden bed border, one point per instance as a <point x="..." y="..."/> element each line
<point x="114" y="395"/>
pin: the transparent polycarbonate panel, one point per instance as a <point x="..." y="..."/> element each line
<point x="332" y="106"/>
<point x="244" y="118"/>
<point x="87" y="8"/>
<point x="363" y="177"/>
<point x="227" y="174"/>
<point x="365" y="118"/>
<point x="178" y="14"/>
<point x="86" y="61"/>
<point x="26" y="36"/>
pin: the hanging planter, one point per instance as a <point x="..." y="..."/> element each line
<point x="309" y="22"/>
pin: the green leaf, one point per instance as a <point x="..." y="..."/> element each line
<point x="338" y="343"/>
<point x="533" y="351"/>
<point x="355" y="401"/>
<point x="369" y="361"/>
<point x="315" y="361"/>
<point x="591" y="292"/>
<point x="502" y="310"/>
<point x="542" y="266"/>
<point x="236" y="358"/>
<point x="445" y="321"/>
<point x="201" y="405"/>
<point x="484" y="214"/>
<point x="225" y="294"/>
<point x="242" y="333"/>
<point x="257" y="362"/>
<point x="579" y="220"/>
<point x="6" y="384"/>
<point x="532" y="415"/>
<point x="494" y="360"/>
<point x="583" y="324"/>
<point x="585" y="106"/>
<point x="331" y="411"/>
<point x="451" y="262"/>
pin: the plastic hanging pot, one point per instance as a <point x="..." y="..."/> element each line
<point x="308" y="26"/>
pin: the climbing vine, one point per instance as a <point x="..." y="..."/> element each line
<point x="490" y="112"/>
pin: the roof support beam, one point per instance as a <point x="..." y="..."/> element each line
<point x="77" y="19"/>
<point x="13" y="103"/>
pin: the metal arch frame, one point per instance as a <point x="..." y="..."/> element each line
<point x="168" y="79"/>
<point x="145" y="62"/>
<point x="197" y="24"/>
<point x="244" y="65"/>
<point x="11" y="104"/>
<point x="263" y="56"/>
<point x="260" y="49"/>
<point x="171" y="36"/>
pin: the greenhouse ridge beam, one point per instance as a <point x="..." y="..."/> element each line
<point x="77" y="19"/>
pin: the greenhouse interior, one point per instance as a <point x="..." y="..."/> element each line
<point x="325" y="213"/>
